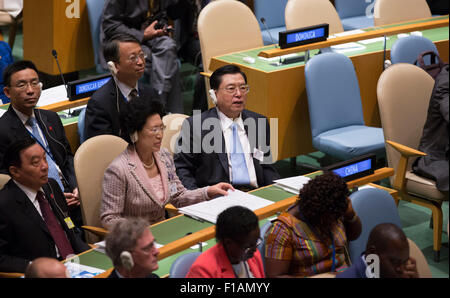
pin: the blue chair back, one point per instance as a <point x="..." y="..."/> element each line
<point x="81" y="125"/>
<point x="406" y="50"/>
<point x="373" y="206"/>
<point x="351" y="8"/>
<point x="334" y="99"/>
<point x="95" y="10"/>
<point x="180" y="267"/>
<point x="262" y="246"/>
<point x="272" y="11"/>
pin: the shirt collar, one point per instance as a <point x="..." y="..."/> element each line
<point x="125" y="89"/>
<point x="226" y="121"/>
<point x="22" y="116"/>
<point x="31" y="193"/>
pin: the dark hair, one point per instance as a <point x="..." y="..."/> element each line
<point x="235" y="222"/>
<point x="12" y="154"/>
<point x="136" y="112"/>
<point x="383" y="235"/>
<point x="16" y="67"/>
<point x="324" y="195"/>
<point x="111" y="48"/>
<point x="216" y="77"/>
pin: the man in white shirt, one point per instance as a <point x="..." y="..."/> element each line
<point x="126" y="61"/>
<point x="227" y="143"/>
<point x="23" y="120"/>
<point x="34" y="217"/>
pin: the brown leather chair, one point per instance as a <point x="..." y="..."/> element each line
<point x="404" y="92"/>
<point x="421" y="263"/>
<point x="304" y="13"/>
<point x="90" y="162"/>
<point x="8" y="20"/>
<point x="390" y="12"/>
<point x="173" y="124"/>
<point x="224" y="27"/>
<point x="3" y="180"/>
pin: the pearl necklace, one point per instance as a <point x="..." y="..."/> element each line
<point x="148" y="166"/>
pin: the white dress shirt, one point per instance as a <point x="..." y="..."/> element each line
<point x="125" y="89"/>
<point x="227" y="134"/>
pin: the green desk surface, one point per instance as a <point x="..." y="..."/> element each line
<point x="434" y="35"/>
<point x="64" y="118"/>
<point x="177" y="227"/>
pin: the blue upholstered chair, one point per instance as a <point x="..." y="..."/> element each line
<point x="354" y="14"/>
<point x="406" y="50"/>
<point x="180" y="267"/>
<point x="262" y="245"/>
<point x="273" y="12"/>
<point x="335" y="109"/>
<point x="80" y="125"/>
<point x="373" y="206"/>
<point x="95" y="9"/>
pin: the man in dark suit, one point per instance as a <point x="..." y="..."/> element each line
<point x="226" y="143"/>
<point x="132" y="248"/>
<point x="23" y="120"/>
<point x="147" y="22"/>
<point x="127" y="63"/>
<point x="387" y="252"/>
<point x="34" y="218"/>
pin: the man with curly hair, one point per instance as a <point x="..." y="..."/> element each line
<point x="311" y="237"/>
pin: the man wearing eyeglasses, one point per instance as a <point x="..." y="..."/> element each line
<point x="127" y="63"/>
<point x="23" y="120"/>
<point x="147" y="21"/>
<point x="227" y="143"/>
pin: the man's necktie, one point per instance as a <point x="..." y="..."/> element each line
<point x="133" y="94"/>
<point x="57" y="232"/>
<point x="52" y="169"/>
<point x="239" y="171"/>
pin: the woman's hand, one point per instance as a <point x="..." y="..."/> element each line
<point x="220" y="189"/>
<point x="349" y="214"/>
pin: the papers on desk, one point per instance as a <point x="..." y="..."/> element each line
<point x="347" y="47"/>
<point x="209" y="210"/>
<point x="2" y="112"/>
<point x="279" y="58"/>
<point x="52" y="95"/>
<point x="292" y="184"/>
<point x="350" y="32"/>
<point x="82" y="271"/>
<point x="101" y="246"/>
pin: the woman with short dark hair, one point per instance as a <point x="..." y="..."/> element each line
<point x="311" y="237"/>
<point x="236" y="253"/>
<point x="142" y="179"/>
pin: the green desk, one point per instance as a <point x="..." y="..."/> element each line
<point x="173" y="233"/>
<point x="279" y="92"/>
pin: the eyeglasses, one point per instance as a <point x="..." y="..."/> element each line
<point x="258" y="243"/>
<point x="24" y="85"/>
<point x="157" y="129"/>
<point x="244" y="89"/>
<point x="135" y="58"/>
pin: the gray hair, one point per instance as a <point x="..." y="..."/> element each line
<point x="123" y="237"/>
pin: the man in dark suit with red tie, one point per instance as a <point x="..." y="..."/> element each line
<point x="34" y="218"/>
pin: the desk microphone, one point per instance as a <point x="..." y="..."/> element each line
<point x="263" y="21"/>
<point x="55" y="55"/>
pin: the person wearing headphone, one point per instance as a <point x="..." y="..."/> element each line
<point x="34" y="216"/>
<point x="132" y="248"/>
<point x="23" y="120"/>
<point x="227" y="143"/>
<point x="126" y="62"/>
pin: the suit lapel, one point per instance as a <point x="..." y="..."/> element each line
<point x="222" y="155"/>
<point x="138" y="171"/>
<point x="28" y="208"/>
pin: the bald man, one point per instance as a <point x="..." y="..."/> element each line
<point x="46" y="268"/>
<point x="388" y="243"/>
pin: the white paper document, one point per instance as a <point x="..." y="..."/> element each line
<point x="82" y="271"/>
<point x="373" y="40"/>
<point x="101" y="246"/>
<point x="347" y="47"/>
<point x="52" y="95"/>
<point x="278" y="58"/>
<point x="292" y="184"/>
<point x="350" y="32"/>
<point x="209" y="210"/>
